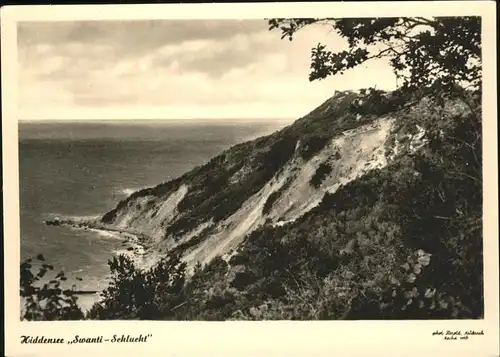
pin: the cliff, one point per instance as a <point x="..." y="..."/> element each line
<point x="369" y="207"/>
<point x="272" y="181"/>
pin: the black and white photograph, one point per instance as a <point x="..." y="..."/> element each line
<point x="260" y="169"/>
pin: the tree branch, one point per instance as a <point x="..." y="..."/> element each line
<point x="465" y="175"/>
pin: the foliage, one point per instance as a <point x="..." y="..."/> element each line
<point x="270" y="201"/>
<point x="50" y="301"/>
<point x="422" y="51"/>
<point x="400" y="242"/>
<point x="322" y="171"/>
<point x="312" y="145"/>
<point x="141" y="294"/>
<point x="213" y="191"/>
<point x="209" y="296"/>
<point x="380" y="247"/>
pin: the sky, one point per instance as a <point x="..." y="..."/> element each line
<point x="179" y="69"/>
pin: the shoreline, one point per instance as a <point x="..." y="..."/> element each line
<point x="138" y="241"/>
<point x="133" y="245"/>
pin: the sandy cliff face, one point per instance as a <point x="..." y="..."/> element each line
<point x="347" y="156"/>
<point x="149" y="214"/>
<point x="272" y="180"/>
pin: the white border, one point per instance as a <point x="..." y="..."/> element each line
<point x="352" y="338"/>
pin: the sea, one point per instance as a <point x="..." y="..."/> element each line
<point x="84" y="168"/>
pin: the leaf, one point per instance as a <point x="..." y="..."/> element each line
<point x="417" y="268"/>
<point x="406" y="266"/>
<point x="394" y="281"/>
<point x="429" y="293"/>
<point x="383" y="305"/>
<point x="411" y="278"/>
<point x="420" y="252"/>
<point x="443" y="304"/>
<point x="424" y="260"/>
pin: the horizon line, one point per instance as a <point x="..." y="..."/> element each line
<point x="154" y="119"/>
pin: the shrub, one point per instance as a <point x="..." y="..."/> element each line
<point x="320" y="174"/>
<point x="137" y="294"/>
<point x="270" y="201"/>
<point x="312" y="145"/>
<point x="50" y="301"/>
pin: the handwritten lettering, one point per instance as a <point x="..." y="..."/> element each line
<point x="452" y="335"/>
<point x="471" y="332"/>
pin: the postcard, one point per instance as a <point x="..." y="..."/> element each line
<point x="248" y="179"/>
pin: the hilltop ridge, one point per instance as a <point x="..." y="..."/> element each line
<point x="271" y="180"/>
<point x="207" y="212"/>
<point x="368" y="207"/>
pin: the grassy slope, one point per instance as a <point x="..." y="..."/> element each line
<point x="401" y="242"/>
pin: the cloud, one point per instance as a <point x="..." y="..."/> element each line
<point x="104" y="66"/>
<point x="132" y="37"/>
